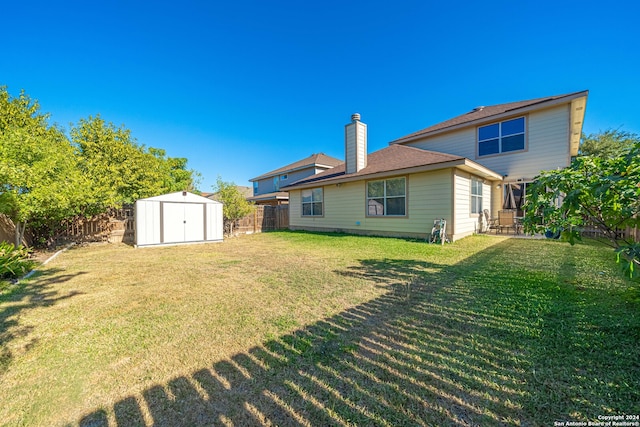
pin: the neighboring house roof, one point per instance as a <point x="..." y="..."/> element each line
<point x="314" y="160"/>
<point x="242" y="189"/>
<point x="245" y="191"/>
<point x="495" y="112"/>
<point x="393" y="160"/>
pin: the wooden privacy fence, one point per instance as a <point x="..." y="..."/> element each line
<point x="114" y="226"/>
<point x="263" y="218"/>
<point x="8" y="232"/>
<point x="623" y="233"/>
<point x="118" y="225"/>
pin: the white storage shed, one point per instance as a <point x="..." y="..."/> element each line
<point x="177" y="218"/>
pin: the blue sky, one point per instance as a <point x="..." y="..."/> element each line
<point x="244" y="87"/>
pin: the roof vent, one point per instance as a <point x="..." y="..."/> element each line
<point x="355" y="117"/>
<point x="479" y="108"/>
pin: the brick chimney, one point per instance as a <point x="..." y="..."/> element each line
<point x="355" y="144"/>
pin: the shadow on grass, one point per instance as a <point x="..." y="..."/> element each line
<point x="462" y="345"/>
<point x="21" y="297"/>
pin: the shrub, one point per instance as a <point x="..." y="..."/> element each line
<point x="14" y="261"/>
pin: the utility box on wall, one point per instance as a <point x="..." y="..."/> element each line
<point x="177" y="218"/>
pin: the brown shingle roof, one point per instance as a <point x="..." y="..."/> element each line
<point x="392" y="158"/>
<point x="319" y="159"/>
<point x="485" y="113"/>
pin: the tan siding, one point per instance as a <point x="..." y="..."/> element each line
<point x="429" y="197"/>
<point x="343" y="207"/>
<point x="462" y="203"/>
<point x="295" y="206"/>
<point x="350" y="148"/>
<point x="361" y="150"/>
<point x="549" y="142"/>
<point x="461" y="143"/>
<point x="355" y="146"/>
<point x="488" y="188"/>
<point x="547" y="145"/>
<point x="496" y="201"/>
<point x="467" y="223"/>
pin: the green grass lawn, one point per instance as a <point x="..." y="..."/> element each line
<point x="311" y="329"/>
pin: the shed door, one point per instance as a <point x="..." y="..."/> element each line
<point x="194" y="222"/>
<point x="182" y="222"/>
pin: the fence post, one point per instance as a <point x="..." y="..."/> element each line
<point x="279" y="217"/>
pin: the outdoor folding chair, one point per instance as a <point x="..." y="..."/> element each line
<point x="439" y="231"/>
<point x="490" y="223"/>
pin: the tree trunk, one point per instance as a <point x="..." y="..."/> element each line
<point x="19" y="234"/>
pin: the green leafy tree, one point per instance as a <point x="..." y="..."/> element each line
<point x="235" y="206"/>
<point x="610" y="143"/>
<point x="604" y="191"/>
<point x="176" y="175"/>
<point x="46" y="178"/>
<point x="122" y="170"/>
<point x="40" y="182"/>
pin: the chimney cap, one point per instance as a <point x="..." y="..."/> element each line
<point x="355" y="117"/>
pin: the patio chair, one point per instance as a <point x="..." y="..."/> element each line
<point x="489" y="223"/>
<point x="439" y="231"/>
<point x="507" y="220"/>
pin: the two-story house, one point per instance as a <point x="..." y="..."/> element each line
<point x="267" y="187"/>
<point x="454" y="170"/>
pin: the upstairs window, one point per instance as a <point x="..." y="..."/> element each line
<point x="387" y="197"/>
<point x="501" y="137"/>
<point x="312" y="202"/>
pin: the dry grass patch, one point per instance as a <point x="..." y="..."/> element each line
<point x="313" y="329"/>
<point x="105" y="321"/>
